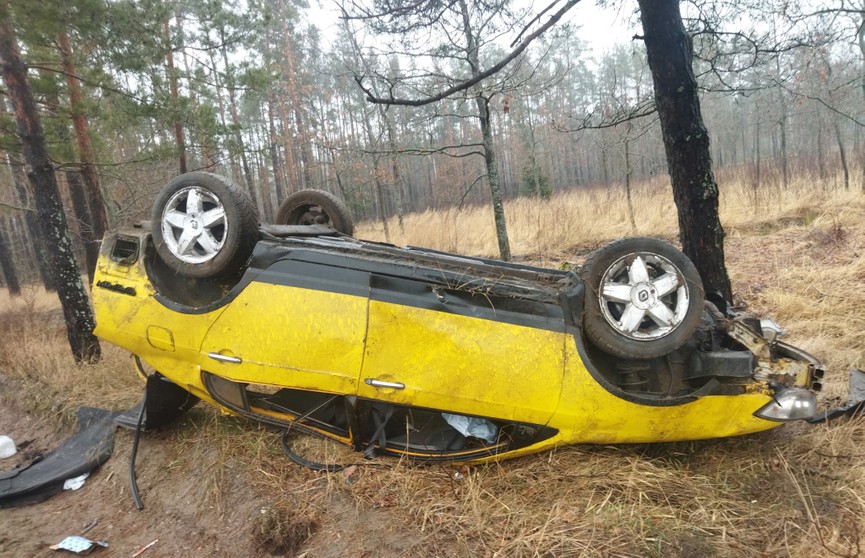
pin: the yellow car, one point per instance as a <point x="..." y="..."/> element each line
<point x="431" y="355"/>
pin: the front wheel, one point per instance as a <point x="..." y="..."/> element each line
<point x="204" y="225"/>
<point x="644" y="298"/>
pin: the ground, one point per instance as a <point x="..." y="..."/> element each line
<point x="185" y="516"/>
<point x="214" y="485"/>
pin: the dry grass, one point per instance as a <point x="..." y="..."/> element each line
<point x="799" y="491"/>
<point x="35" y="355"/>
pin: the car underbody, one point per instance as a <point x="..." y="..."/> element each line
<point x="359" y="304"/>
<point x="426" y="354"/>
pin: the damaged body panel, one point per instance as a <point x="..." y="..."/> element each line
<point x="345" y="319"/>
<point x="382" y="347"/>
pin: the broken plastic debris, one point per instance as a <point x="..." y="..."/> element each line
<point x="79" y="545"/>
<point x="7" y="447"/>
<point x="472" y="426"/>
<point x="76" y="482"/>
<point x="855" y="400"/>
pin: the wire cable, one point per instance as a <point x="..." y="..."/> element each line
<point x="132" y="479"/>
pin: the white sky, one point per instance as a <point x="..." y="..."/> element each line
<point x="600" y="28"/>
<point x="603" y="28"/>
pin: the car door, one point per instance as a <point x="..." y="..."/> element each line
<point x="299" y="324"/>
<point x="472" y="353"/>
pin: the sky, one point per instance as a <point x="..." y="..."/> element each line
<point x="600" y="28"/>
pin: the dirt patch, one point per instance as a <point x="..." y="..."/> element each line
<point x="197" y="501"/>
<point x="173" y="512"/>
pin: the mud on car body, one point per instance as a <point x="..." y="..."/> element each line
<point x="428" y="354"/>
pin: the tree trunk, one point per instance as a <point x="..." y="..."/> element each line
<point x="96" y="203"/>
<point x="628" y="173"/>
<point x="293" y="91"/>
<point x="821" y="158"/>
<point x="7" y="266"/>
<point x="842" y="152"/>
<point x="398" y="191"/>
<point x="175" y="96"/>
<point x="77" y="191"/>
<point x="70" y="288"/>
<point x="235" y="120"/>
<point x="483" y="104"/>
<point x="279" y="183"/>
<point x="22" y="194"/>
<point x="79" y="206"/>
<point x="377" y="175"/>
<point x="384" y="115"/>
<point x="860" y="37"/>
<point x="686" y="142"/>
<point x="782" y="123"/>
<point x="758" y="161"/>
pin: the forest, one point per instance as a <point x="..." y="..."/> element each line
<point x="436" y="121"/>
<point x="132" y="92"/>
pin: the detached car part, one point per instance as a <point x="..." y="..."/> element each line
<point x="386" y="348"/>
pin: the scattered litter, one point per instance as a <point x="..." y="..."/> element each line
<point x="461" y="473"/>
<point x="472" y="426"/>
<point x="141" y="550"/>
<point x="349" y="473"/>
<point x="76" y="482"/>
<point x="79" y="545"/>
<point x="7" y="447"/>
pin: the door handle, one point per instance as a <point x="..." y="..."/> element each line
<point x="222" y="358"/>
<point x="382" y="384"/>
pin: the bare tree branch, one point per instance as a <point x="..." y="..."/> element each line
<point x="474" y="80"/>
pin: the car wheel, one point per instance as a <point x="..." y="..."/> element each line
<point x="315" y="207"/>
<point x="644" y="298"/>
<point x="204" y="225"/>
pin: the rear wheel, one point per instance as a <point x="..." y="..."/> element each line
<point x="644" y="298"/>
<point x="204" y="225"/>
<point x="315" y="207"/>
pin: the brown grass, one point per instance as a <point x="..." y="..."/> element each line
<point x="799" y="256"/>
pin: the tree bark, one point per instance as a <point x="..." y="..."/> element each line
<point x="22" y="194"/>
<point x="235" y="120"/>
<point x="377" y="175"/>
<point x="782" y="123"/>
<point x="77" y="190"/>
<point x="82" y="213"/>
<point x="70" y="288"/>
<point x="293" y="91"/>
<point x="7" y="266"/>
<point x="628" y="173"/>
<point x="686" y="142"/>
<point x="483" y="105"/>
<point x="175" y="96"/>
<point x="96" y="203"/>
<point x="273" y="141"/>
<point x="493" y="178"/>
<point x="842" y="152"/>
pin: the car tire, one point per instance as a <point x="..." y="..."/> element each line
<point x="204" y="225"/>
<point x="644" y="298"/>
<point x="315" y="207"/>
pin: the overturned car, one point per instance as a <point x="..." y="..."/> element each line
<point x="431" y="355"/>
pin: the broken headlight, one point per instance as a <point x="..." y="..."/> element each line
<point x="789" y="404"/>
